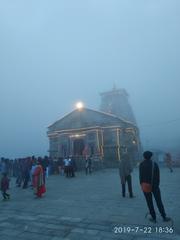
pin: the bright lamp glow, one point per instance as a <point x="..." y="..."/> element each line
<point x="79" y="105"/>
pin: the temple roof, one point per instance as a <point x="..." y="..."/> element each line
<point x="86" y="118"/>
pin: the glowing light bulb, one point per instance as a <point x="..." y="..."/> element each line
<point x="79" y="105"/>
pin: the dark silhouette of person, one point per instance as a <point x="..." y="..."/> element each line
<point x="168" y="161"/>
<point x="72" y="166"/>
<point x="88" y="165"/>
<point x="149" y="173"/>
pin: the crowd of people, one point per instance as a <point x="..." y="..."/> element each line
<point x="33" y="171"/>
<point x="28" y="171"/>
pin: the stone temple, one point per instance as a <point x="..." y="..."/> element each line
<point x="107" y="135"/>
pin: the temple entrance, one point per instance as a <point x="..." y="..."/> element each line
<point x="78" y="147"/>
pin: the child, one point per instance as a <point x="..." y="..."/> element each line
<point x="5" y="186"/>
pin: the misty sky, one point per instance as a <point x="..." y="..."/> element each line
<point x="53" y="53"/>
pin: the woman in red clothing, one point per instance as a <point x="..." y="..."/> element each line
<point x="38" y="180"/>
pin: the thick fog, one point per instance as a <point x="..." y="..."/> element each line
<point x="54" y="53"/>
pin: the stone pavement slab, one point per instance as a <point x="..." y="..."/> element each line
<point x="87" y="207"/>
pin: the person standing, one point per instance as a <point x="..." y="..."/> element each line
<point x="38" y="180"/>
<point x="70" y="168"/>
<point x="149" y="177"/>
<point x="125" y="170"/>
<point x="46" y="163"/>
<point x="168" y="161"/>
<point x="73" y="163"/>
<point x="60" y="166"/>
<point x="88" y="165"/>
<point x="33" y="167"/>
<point x="5" y="186"/>
<point x="3" y="166"/>
<point x="26" y="172"/>
<point x="19" y="178"/>
<point x="67" y="166"/>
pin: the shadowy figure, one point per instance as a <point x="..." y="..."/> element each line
<point x="5" y="186"/>
<point x="168" y="161"/>
<point x="125" y="170"/>
<point x="88" y="165"/>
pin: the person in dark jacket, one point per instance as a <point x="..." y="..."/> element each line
<point x="88" y="165"/>
<point x="149" y="173"/>
<point x="73" y="167"/>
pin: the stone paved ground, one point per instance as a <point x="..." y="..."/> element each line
<point x="87" y="208"/>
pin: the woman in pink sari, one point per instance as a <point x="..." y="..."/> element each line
<point x="38" y="180"/>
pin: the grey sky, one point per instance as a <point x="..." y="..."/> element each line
<point x="53" y="53"/>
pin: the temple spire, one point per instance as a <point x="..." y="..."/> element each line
<point x="116" y="102"/>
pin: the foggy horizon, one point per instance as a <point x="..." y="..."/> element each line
<point x="55" y="54"/>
